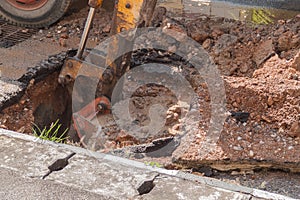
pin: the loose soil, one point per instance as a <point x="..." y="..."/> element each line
<point x="260" y="66"/>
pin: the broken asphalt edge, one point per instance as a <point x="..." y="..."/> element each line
<point x="131" y="163"/>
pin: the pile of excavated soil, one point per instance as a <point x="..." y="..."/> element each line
<point x="271" y="134"/>
<point x="239" y="48"/>
<point x="260" y="67"/>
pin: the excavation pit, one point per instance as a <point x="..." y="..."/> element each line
<point x="260" y="79"/>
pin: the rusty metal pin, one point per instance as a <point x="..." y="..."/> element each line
<point x="85" y="33"/>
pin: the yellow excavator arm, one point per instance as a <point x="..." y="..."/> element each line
<point x="128" y="15"/>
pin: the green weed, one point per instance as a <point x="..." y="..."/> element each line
<point x="153" y="164"/>
<point x="51" y="134"/>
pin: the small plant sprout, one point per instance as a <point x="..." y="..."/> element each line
<point x="51" y="134"/>
<point x="153" y="164"/>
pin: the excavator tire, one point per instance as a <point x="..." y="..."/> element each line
<point x="33" y="13"/>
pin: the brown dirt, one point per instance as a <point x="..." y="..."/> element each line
<point x="43" y="103"/>
<point x="260" y="78"/>
<point x="260" y="67"/>
<point x="67" y="32"/>
<point x="271" y="97"/>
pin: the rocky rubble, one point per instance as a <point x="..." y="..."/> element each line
<point x="260" y="68"/>
<point x="259" y="65"/>
<point x="71" y="27"/>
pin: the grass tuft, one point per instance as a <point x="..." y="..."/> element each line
<point x="51" y="134"/>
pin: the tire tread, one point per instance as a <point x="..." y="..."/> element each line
<point x="52" y="18"/>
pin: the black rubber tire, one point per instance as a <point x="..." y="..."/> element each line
<point x="52" y="11"/>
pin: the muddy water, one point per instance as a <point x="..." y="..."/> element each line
<point x="255" y="14"/>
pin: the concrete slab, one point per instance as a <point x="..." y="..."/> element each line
<point x="15" y="186"/>
<point x="28" y="158"/>
<point x="24" y="160"/>
<point x="9" y="88"/>
<point x="102" y="177"/>
<point x="178" y="188"/>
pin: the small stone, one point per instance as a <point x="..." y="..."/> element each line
<point x="207" y="44"/>
<point x="62" y="42"/>
<point x="173" y="132"/>
<point x="235" y="105"/>
<point x="277" y="151"/>
<point x="263" y="185"/>
<point x="234" y="173"/>
<point x="270" y="101"/>
<point x="276" y="98"/>
<point x="281" y="22"/>
<point x="296" y="62"/>
<point x="206" y="171"/>
<point x="25" y="31"/>
<point x="64" y="29"/>
<point x="262" y="52"/>
<point x="64" y="35"/>
<point x="3" y="126"/>
<point x="106" y="29"/>
<point x="199" y="36"/>
<point x="176" y="127"/>
<point x="49" y="35"/>
<point x="21" y="130"/>
<point x="238" y="148"/>
<point x="4" y="120"/>
<point x="110" y="144"/>
<point x="295" y="129"/>
<point x="233" y="69"/>
<point x="244" y="68"/>
<point x="295" y="77"/>
<point x="266" y="119"/>
<point x="176" y="116"/>
<point x="290" y="147"/>
<point x="284" y="41"/>
<point x="172" y="48"/>
<point x="251" y="153"/>
<point x="217" y="32"/>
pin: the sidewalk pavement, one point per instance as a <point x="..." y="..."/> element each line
<point x="91" y="175"/>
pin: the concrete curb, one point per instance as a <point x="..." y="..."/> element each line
<point x="254" y="193"/>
